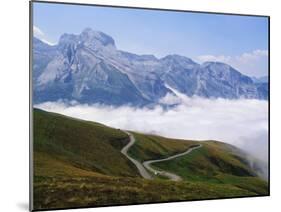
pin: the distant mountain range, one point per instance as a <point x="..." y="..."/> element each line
<point x="88" y="68"/>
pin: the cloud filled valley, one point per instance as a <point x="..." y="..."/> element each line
<point x="243" y="123"/>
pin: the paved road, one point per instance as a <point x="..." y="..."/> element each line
<point x="146" y="164"/>
<point x="139" y="166"/>
<point x="170" y="175"/>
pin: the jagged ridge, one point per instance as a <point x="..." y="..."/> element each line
<point x="89" y="68"/>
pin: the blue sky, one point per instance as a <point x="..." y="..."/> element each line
<point x="240" y="41"/>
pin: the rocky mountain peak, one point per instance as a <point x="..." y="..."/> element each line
<point x="90" y="36"/>
<point x="88" y="68"/>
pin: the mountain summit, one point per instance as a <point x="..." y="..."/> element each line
<point x="88" y="37"/>
<point x="88" y="68"/>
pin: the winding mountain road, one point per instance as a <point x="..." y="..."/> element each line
<point x="146" y="164"/>
<point x="139" y="166"/>
<point x="170" y="175"/>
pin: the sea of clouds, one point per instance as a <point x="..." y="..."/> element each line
<point x="243" y="122"/>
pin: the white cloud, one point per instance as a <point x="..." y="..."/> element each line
<point x="239" y="122"/>
<point x="38" y="33"/>
<point x="243" y="123"/>
<point x="220" y="58"/>
<point x="253" y="63"/>
<point x="170" y="99"/>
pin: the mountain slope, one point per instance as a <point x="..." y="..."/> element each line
<point x="215" y="166"/>
<point x="83" y="144"/>
<point x="89" y="68"/>
<point x="215" y="162"/>
<point x="78" y="163"/>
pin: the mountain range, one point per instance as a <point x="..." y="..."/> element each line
<point x="88" y="68"/>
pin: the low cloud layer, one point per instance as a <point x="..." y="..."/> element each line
<point x="243" y="123"/>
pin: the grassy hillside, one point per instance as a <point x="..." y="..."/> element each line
<point x="215" y="162"/>
<point x="78" y="164"/>
<point x="64" y="185"/>
<point x="60" y="192"/>
<point x="83" y="144"/>
<point x="206" y="162"/>
<point x="149" y="147"/>
<point x="213" y="156"/>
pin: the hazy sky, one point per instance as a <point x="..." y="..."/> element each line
<point x="240" y="41"/>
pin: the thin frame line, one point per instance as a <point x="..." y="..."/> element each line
<point x="149" y="8"/>
<point x="31" y="203"/>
